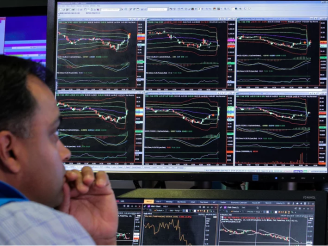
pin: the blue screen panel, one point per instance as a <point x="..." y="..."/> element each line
<point x="25" y="37"/>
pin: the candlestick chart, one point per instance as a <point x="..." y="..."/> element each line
<point x="185" y="129"/>
<point x="98" y="128"/>
<point x="97" y="55"/>
<point x="186" y="55"/>
<point x="277" y="130"/>
<point x="279" y="54"/>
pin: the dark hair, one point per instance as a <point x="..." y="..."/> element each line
<point x="17" y="102"/>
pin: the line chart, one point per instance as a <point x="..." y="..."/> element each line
<point x="285" y="79"/>
<point x="291" y="38"/>
<point x="277" y="130"/>
<point x="105" y="140"/>
<point x="78" y="81"/>
<point x="293" y="111"/>
<point x="113" y="68"/>
<point x="279" y="54"/>
<point x="97" y="55"/>
<point x="259" y="232"/>
<point x="291" y="145"/>
<point x="166" y="231"/>
<point x="92" y="39"/>
<point x="185" y="129"/>
<point x="98" y="155"/>
<point x="211" y="81"/>
<point x="299" y="64"/>
<point x="171" y="36"/>
<point x="188" y="141"/>
<point x="201" y="115"/>
<point x="98" y="128"/>
<point x="167" y="226"/>
<point x="207" y="157"/>
<point x="185" y="66"/>
<point x="186" y="55"/>
<point x="111" y="110"/>
<point x="290" y="133"/>
<point x="262" y="231"/>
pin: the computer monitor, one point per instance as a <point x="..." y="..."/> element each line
<point x="192" y="89"/>
<point x="23" y="32"/>
<point x="170" y="217"/>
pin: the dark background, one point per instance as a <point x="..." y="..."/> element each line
<point x="22" y="3"/>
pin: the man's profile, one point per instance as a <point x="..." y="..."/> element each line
<point x="34" y="186"/>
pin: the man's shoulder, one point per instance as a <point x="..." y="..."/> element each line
<point x="33" y="212"/>
<point x="29" y="209"/>
<point x="32" y="223"/>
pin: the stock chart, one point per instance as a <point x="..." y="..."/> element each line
<point x="281" y="54"/>
<point x="187" y="55"/>
<point x="95" y="55"/>
<point x="129" y="216"/>
<point x="278" y="130"/>
<point x="179" y="231"/>
<point x="262" y="230"/>
<point x="99" y="128"/>
<point x="209" y="222"/>
<point x="185" y="129"/>
<point x="164" y="92"/>
<point x="124" y="235"/>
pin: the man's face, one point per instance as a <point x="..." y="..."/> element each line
<point x="42" y="153"/>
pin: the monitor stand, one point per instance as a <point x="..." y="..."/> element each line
<point x="203" y="185"/>
<point x="148" y="184"/>
<point x="289" y="186"/>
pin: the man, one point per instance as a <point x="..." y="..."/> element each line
<point x="40" y="203"/>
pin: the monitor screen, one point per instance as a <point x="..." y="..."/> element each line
<point x="24" y="36"/>
<point x="193" y="87"/>
<point x="215" y="222"/>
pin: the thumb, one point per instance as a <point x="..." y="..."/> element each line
<point x="64" y="206"/>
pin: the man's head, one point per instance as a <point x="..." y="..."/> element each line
<point x="31" y="155"/>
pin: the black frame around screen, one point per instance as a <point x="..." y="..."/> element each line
<point x="319" y="197"/>
<point x="169" y="176"/>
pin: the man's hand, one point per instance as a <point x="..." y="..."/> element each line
<point x="92" y="202"/>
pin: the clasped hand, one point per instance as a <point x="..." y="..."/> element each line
<point x="91" y="200"/>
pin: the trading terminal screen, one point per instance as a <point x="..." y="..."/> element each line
<point x="193" y="86"/>
<point x="24" y="36"/>
<point x="214" y="222"/>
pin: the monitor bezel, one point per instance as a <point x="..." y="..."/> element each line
<point x="176" y="176"/>
<point x="319" y="197"/>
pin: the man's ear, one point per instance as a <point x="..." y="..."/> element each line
<point x="8" y="158"/>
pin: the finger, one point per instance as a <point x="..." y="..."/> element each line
<point x="87" y="176"/>
<point x="79" y="185"/>
<point x="102" y="179"/>
<point x="64" y="206"/>
<point x="71" y="175"/>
